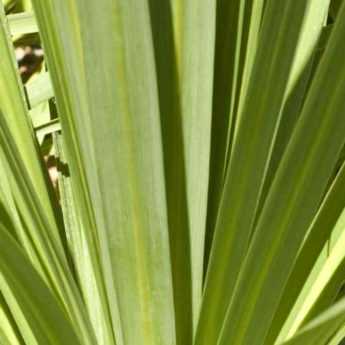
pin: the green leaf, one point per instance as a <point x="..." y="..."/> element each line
<point x="338" y="337"/>
<point x="320" y="330"/>
<point x="254" y="135"/>
<point x="293" y="199"/>
<point x="28" y="297"/>
<point x="327" y="280"/>
<point x="335" y="8"/>
<point x="235" y="49"/>
<point x="22" y="23"/>
<point x="9" y="332"/>
<point x="310" y="46"/>
<point x="79" y="249"/>
<point x="48" y="128"/>
<point x="15" y="114"/>
<point x="37" y="209"/>
<point x="39" y="89"/>
<point x="117" y="165"/>
<point x="319" y="232"/>
<point x="200" y="155"/>
<point x="174" y="165"/>
<point x="195" y="29"/>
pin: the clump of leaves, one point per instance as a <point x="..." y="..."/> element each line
<point x="201" y="174"/>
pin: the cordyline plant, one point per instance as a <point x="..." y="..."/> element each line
<point x="200" y="149"/>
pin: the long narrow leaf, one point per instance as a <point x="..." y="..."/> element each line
<point x="117" y="165"/>
<point x="293" y="200"/>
